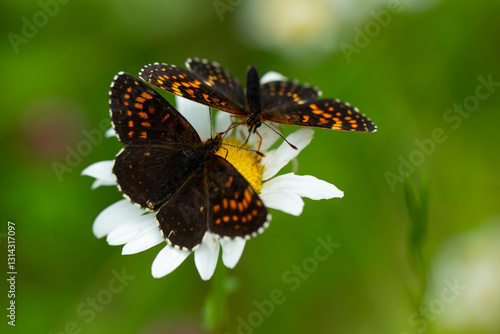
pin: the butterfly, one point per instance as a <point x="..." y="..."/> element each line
<point x="165" y="167"/>
<point x="281" y="101"/>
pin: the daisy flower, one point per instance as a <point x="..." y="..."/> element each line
<point x="126" y="224"/>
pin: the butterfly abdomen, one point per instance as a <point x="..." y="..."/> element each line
<point x="253" y="91"/>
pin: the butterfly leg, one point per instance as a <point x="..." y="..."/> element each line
<point x="260" y="140"/>
<point x="232" y="126"/>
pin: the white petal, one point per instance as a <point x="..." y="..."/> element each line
<point x="283" y="200"/>
<point x="277" y="159"/>
<point x="102" y="171"/>
<point x="231" y="251"/>
<point x="167" y="260"/>
<point x="110" y="133"/>
<point x="303" y="185"/>
<point x="146" y="239"/>
<point x="197" y="114"/>
<point x="222" y="121"/>
<point x="206" y="256"/>
<point x="130" y="229"/>
<point x="115" y="215"/>
<point x="271" y="76"/>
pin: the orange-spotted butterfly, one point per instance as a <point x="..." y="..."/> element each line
<point x="165" y="167"/>
<point x="282" y="101"/>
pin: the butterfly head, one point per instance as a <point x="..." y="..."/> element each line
<point x="253" y="122"/>
<point x="213" y="144"/>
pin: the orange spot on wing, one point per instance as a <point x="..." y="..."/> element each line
<point x="247" y="195"/>
<point x="142" y="114"/>
<point x="138" y="105"/>
<point x="146" y="95"/>
<point x="206" y="97"/>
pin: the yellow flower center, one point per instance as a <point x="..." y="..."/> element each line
<point x="245" y="162"/>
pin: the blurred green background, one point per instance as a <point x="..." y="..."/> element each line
<point x="405" y="64"/>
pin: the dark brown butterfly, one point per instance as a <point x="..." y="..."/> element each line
<point x="283" y="101"/>
<point x="165" y="167"/>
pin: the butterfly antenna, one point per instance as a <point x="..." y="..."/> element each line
<point x="246" y="149"/>
<point x="210" y="117"/>
<point x="279" y="134"/>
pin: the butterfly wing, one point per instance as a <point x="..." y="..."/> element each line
<point x="183" y="218"/>
<point x="275" y="93"/>
<point x="326" y="113"/>
<point x="141" y="116"/>
<point x="220" y="79"/>
<point x="149" y="176"/>
<point x="218" y="90"/>
<point x="235" y="209"/>
<point x="216" y="199"/>
<point x="154" y="162"/>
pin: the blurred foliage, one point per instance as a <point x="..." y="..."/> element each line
<point x="417" y="206"/>
<point x="405" y="79"/>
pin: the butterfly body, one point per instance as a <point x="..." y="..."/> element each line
<point x="253" y="100"/>
<point x="166" y="167"/>
<point x="280" y="101"/>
